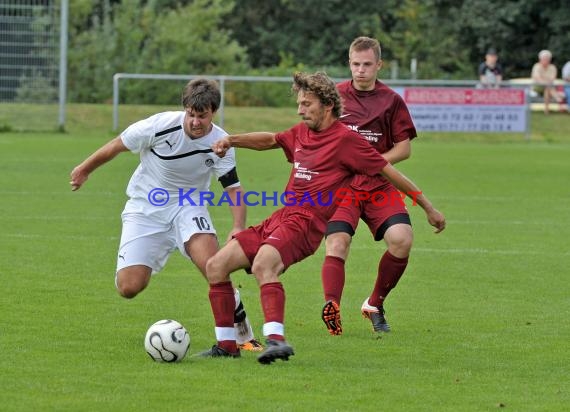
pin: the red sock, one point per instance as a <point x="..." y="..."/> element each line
<point x="332" y="275"/>
<point x="390" y="270"/>
<point x="223" y="304"/>
<point x="273" y="304"/>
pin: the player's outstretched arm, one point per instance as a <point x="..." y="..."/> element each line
<point x="101" y="156"/>
<point x="254" y="141"/>
<point x="238" y="211"/>
<point x="405" y="185"/>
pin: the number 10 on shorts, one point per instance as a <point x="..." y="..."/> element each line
<point x="201" y="222"/>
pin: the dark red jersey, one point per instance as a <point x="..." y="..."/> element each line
<point x="381" y="116"/>
<point x="324" y="162"/>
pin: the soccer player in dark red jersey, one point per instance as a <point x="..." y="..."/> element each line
<point x="325" y="155"/>
<point x="380" y="115"/>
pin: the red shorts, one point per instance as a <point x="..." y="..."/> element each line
<point x="294" y="231"/>
<point x="381" y="205"/>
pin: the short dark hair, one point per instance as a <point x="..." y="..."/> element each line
<point x="363" y="43"/>
<point x="321" y="86"/>
<point x="201" y="94"/>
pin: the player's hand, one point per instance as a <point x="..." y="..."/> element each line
<point x="233" y="232"/>
<point x="221" y="147"/>
<point x="78" y="177"/>
<point x="436" y="219"/>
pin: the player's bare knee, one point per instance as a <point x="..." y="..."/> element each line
<point x="215" y="270"/>
<point x="265" y="273"/>
<point x="264" y="276"/>
<point x="338" y="245"/>
<point x="131" y="281"/>
<point x="400" y="246"/>
<point x="126" y="290"/>
<point x="258" y="271"/>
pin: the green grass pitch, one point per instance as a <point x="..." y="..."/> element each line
<point x="480" y="319"/>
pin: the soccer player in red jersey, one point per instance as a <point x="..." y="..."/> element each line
<point x="325" y="155"/>
<point x="380" y="115"/>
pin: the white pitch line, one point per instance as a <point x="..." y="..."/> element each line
<point x="59" y="236"/>
<point x="501" y="222"/>
<point x="478" y="251"/>
<point x="487" y="251"/>
<point x="51" y="193"/>
<point x="475" y="198"/>
<point x="70" y="218"/>
<point x="224" y="219"/>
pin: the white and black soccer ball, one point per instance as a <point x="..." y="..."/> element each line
<point x="167" y="341"/>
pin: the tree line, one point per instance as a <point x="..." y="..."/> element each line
<point x="275" y="37"/>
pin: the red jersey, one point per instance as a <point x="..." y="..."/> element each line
<point x="381" y="116"/>
<point x="324" y="162"/>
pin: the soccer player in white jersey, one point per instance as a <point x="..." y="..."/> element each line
<point x="164" y="211"/>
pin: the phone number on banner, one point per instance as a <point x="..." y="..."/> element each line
<point x="467" y="110"/>
<point x="469" y="118"/>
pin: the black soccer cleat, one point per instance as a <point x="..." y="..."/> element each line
<point x="376" y="316"/>
<point x="217" y="352"/>
<point x="275" y="349"/>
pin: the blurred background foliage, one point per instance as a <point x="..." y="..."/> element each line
<point x="276" y="37"/>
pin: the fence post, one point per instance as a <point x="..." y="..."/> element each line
<point x="414" y="68"/>
<point x="116" y="101"/>
<point x="63" y="62"/>
<point x="394" y="69"/>
<point x="528" y="112"/>
<point x="222" y="95"/>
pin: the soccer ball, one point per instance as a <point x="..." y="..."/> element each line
<point x="167" y="341"/>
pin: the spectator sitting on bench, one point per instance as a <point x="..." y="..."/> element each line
<point x="490" y="71"/>
<point x="544" y="72"/>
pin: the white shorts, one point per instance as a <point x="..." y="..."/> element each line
<point x="149" y="241"/>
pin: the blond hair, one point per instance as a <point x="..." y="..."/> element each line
<point x="363" y="43"/>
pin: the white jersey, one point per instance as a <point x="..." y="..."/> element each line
<point x="171" y="160"/>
